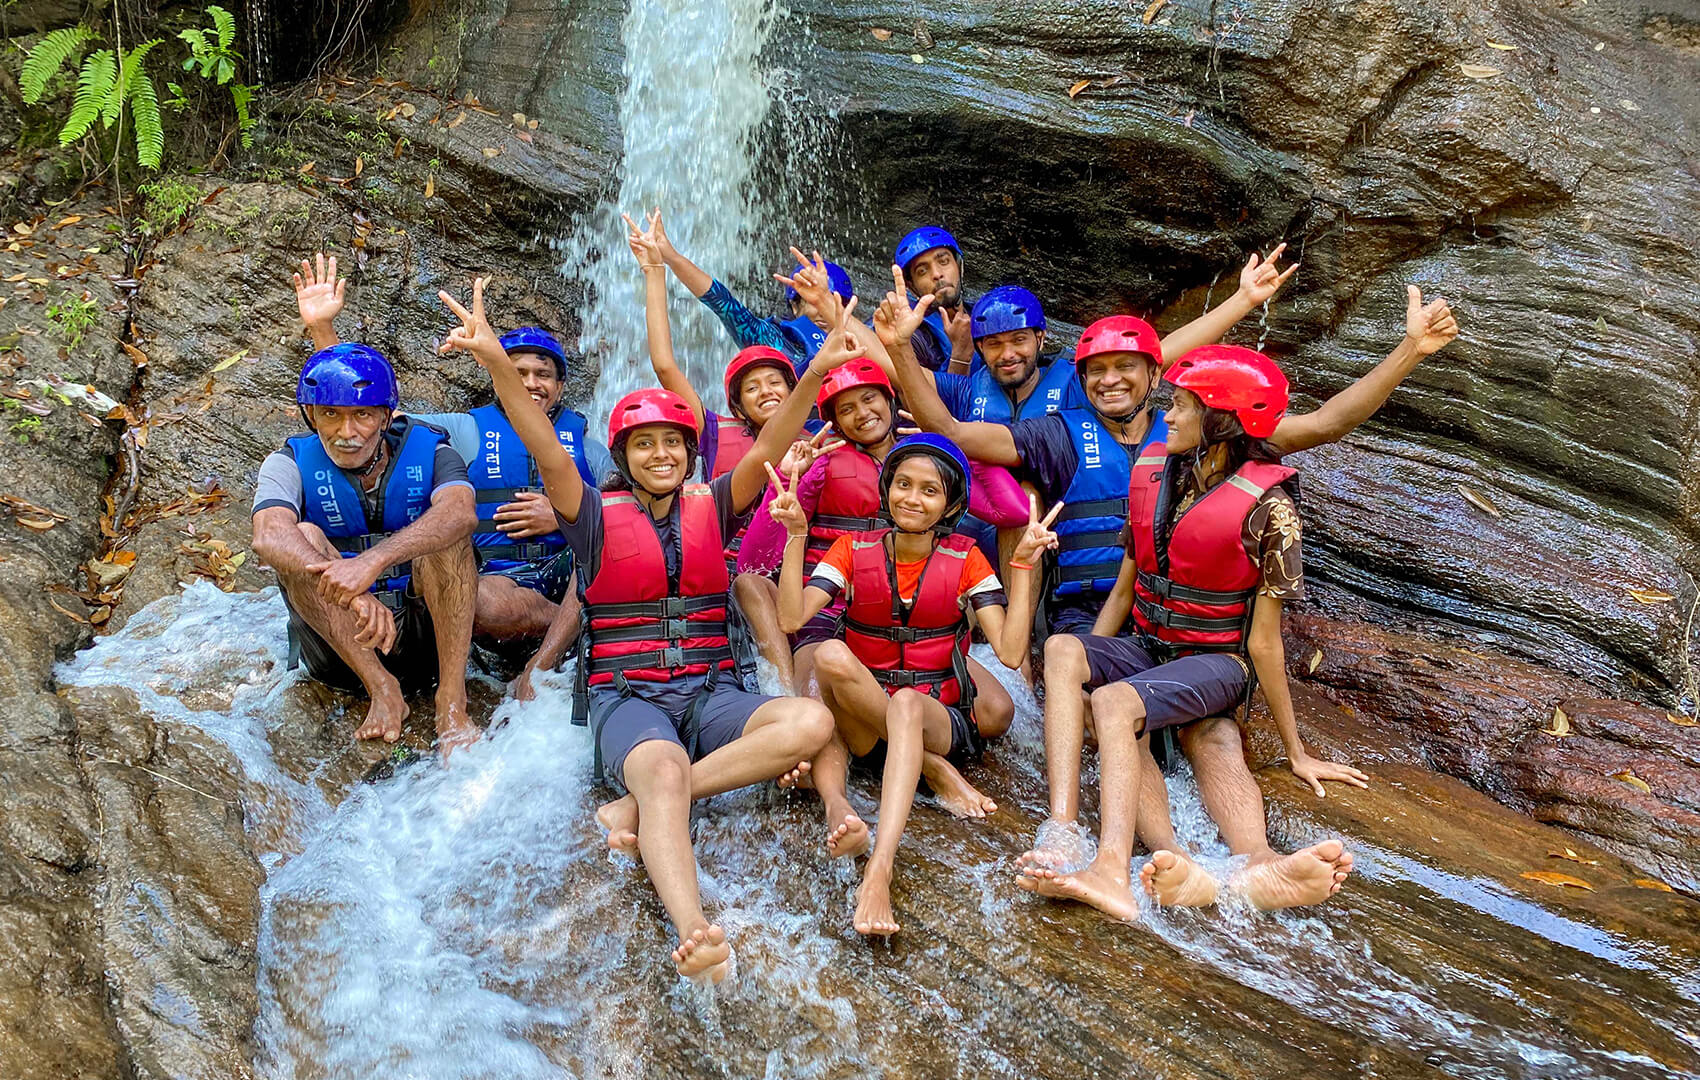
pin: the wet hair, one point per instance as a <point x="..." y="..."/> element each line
<point x="1221" y="426"/>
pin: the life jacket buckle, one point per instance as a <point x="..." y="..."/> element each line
<point x="673" y="656"/>
<point x="900" y="678"/>
<point x="673" y="629"/>
<point x="904" y="635"/>
<point x="670" y="607"/>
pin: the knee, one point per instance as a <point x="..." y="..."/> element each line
<point x="747" y="589"/>
<point x="813" y="726"/>
<point x="1210" y="736"/>
<point x="906" y="710"/>
<point x="834" y="660"/>
<point x="1065" y="656"/>
<point x="1118" y="706"/>
<point x="658" y="775"/>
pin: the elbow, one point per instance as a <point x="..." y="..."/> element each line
<point x="790" y="624"/>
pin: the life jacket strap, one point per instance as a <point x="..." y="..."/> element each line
<point x="903" y="635"/>
<point x="668" y="607"/>
<point x="673" y="656"/>
<point x="914" y="678"/>
<point x="485" y="496"/>
<point x="1116" y="508"/>
<point x="1089" y="573"/>
<point x="846" y="524"/>
<point x="1169" y="590"/>
<point x="518" y="552"/>
<point x="661" y="629"/>
<point x="1174" y="620"/>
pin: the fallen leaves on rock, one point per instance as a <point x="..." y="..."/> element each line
<point x="457" y="121"/>
<point x="1628" y="776"/>
<point x="1479" y="501"/>
<point x="31" y="516"/>
<point x="1548" y="877"/>
<point x="430" y="186"/>
<point x="1074" y="91"/>
<point x="1566" y="853"/>
<point x="880" y="33"/>
<point x="229" y="360"/>
<point x="1560" y="724"/>
<point x="491" y="151"/>
<point x="1315" y="662"/>
<point x="1650" y="596"/>
<point x="1479" y="71"/>
<point x="1680" y="720"/>
<point x="1503" y="48"/>
<point x="1152" y="10"/>
<point x="213" y="560"/>
<point x="1650" y="883"/>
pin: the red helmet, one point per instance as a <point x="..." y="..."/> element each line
<point x="856" y="373"/>
<point x="651" y="406"/>
<point x="1119" y="333"/>
<point x="749" y="359"/>
<point x="1240" y="380"/>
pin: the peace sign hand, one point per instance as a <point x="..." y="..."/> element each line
<point x="1262" y="278"/>
<point x="784" y="507"/>
<point x="1038" y="538"/>
<point x="646" y="243"/>
<point x="813" y="288"/>
<point x="474" y="335"/>
<point x="896" y="320"/>
<point x="841" y="345"/>
<point x="803" y="452"/>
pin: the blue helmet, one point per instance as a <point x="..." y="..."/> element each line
<point x="922" y="240"/>
<point x="348" y="375"/>
<point x="837" y="279"/>
<point x="953" y="466"/>
<point x="531" y="339"/>
<point x="1006" y="308"/>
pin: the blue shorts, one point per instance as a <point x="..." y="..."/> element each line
<point x="1074" y="618"/>
<point x="1178" y="692"/>
<point x="549" y="576"/>
<point x="823" y="627"/>
<point x="621" y="723"/>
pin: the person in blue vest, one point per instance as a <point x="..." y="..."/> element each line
<point x="798" y="337"/>
<point x="366" y="519"/>
<point x="930" y="261"/>
<point x="525" y="572"/>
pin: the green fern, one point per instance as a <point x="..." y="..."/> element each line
<point x="144" y="111"/>
<point x="240" y="95"/>
<point x="226" y="24"/>
<point x="48" y="56"/>
<point x="94" y="88"/>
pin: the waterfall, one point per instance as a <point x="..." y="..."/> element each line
<point x="694" y="100"/>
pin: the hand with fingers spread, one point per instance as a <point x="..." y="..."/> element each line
<point x="803" y="452"/>
<point x="814" y="288"/>
<point x="1314" y="771"/>
<point x="374" y="623"/>
<point x="646" y="243"/>
<point x="784" y="506"/>
<point x="474" y="334"/>
<point x="1428" y="327"/>
<point x="841" y="345"/>
<point x="959" y="326"/>
<point x="318" y="296"/>
<point x="896" y="320"/>
<point x="1263" y="278"/>
<point x="1038" y="538"/>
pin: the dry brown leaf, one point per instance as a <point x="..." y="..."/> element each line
<point x="22" y="230"/>
<point x="1679" y="720"/>
<point x="108" y="574"/>
<point x="458" y="120"/>
<point x="1649" y="883"/>
<point x="1502" y="48"/>
<point x="407" y="109"/>
<point x="137" y="356"/>
<point x="1479" y="71"/>
<point x="67" y="613"/>
<point x="229" y="360"/>
<point x="430" y="186"/>
<point x="1548" y="877"/>
<point x="72" y="220"/>
<point x="305" y="169"/>
<point x="359" y="165"/>
<point x="1479" y="501"/>
<point x="1628" y="776"/>
<point x="1560" y="724"/>
<point x="123" y="558"/>
<point x="1074" y="91"/>
<point x="38" y="524"/>
<point x="19" y="276"/>
<point x="523" y="136"/>
<point x="880" y="33"/>
<point x="532" y="124"/>
<point x="1572" y="856"/>
<point x="491" y="151"/>
<point x="519" y="119"/>
<point x="1651" y="596"/>
<point x="1152" y="10"/>
<point x="1315" y="661"/>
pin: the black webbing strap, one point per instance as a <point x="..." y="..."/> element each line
<point x="1116" y="508"/>
<point x="903" y="635"/>
<point x="518" y="552"/>
<point x="1164" y="587"/>
<point x="1160" y="616"/>
<point x="846" y="524"/>
<point x="669" y="658"/>
<point x="912" y="679"/>
<point x="668" y="607"/>
<point x="662" y="630"/>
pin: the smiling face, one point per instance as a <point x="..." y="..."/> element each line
<point x="918" y="496"/>
<point x="760" y="393"/>
<point x="936" y="271"/>
<point x="350" y="434"/>
<point x="1185" y="418"/>
<point x="862" y="414"/>
<point x="541" y="377"/>
<point x="1012" y="356"/>
<point x="1117" y="383"/>
<point x="657" y="456"/>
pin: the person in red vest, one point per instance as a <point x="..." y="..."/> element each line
<point x="899" y="674"/>
<point x="668" y="720"/>
<point x="1212" y="550"/>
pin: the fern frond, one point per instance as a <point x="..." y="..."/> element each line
<point x="240" y="94"/>
<point x="94" y="89"/>
<point x="226" y="24"/>
<point x="144" y="113"/>
<point x="48" y="56"/>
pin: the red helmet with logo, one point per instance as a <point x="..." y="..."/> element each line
<point x="853" y="374"/>
<point x="748" y="360"/>
<point x="651" y="406"/>
<point x="1117" y="334"/>
<point x="1242" y="381"/>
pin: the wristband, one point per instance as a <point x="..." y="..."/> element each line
<point x="1013" y="565"/>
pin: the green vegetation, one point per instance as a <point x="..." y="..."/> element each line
<point x="211" y="57"/>
<point x="73" y="316"/>
<point x="168" y="201"/>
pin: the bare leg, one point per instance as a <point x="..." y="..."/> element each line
<point x="1119" y="718"/>
<point x="847" y="833"/>
<point x="953" y="790"/>
<point x="803" y="672"/>
<point x="562" y="633"/>
<point x="1170" y="877"/>
<point x="506" y="610"/>
<point x="1066" y="717"/>
<point x="758" y="598"/>
<point x="336" y="624"/>
<point x="658" y="775"/>
<point x="994" y="709"/>
<point x="448" y="579"/>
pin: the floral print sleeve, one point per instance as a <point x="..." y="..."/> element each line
<point x="746" y="329"/>
<point x="1273" y="540"/>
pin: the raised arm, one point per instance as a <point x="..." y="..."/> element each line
<point x="690" y="275"/>
<point x="798" y="603"/>
<point x="318" y="296"/>
<point x="647" y="249"/>
<point x="1010" y="630"/>
<point x="1428" y="328"/>
<point x="554" y="464"/>
<point x="1259" y="280"/>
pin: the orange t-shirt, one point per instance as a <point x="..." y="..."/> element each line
<point x="978" y="577"/>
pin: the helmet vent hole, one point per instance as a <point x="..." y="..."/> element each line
<point x="361" y="384"/>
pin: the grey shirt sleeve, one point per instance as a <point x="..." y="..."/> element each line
<point x="584" y="536"/>
<point x="462" y="429"/>
<point x="601" y="462"/>
<point x="279" y="483"/>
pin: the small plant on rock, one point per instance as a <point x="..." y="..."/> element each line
<point x="73" y="316"/>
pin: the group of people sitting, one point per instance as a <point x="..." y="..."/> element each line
<point x="858" y="548"/>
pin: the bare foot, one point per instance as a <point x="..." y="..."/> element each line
<point x="704" y="955"/>
<point x="454" y="728"/>
<point x="874" y="916"/>
<point x="521" y="687"/>
<point x="620" y="819"/>
<point x="960" y="797"/>
<point x="1173" y="880"/>
<point x="384" y="717"/>
<point x="849" y="839"/>
<point x="1097" y="886"/>
<point x="1305" y="877"/>
<point x="1061" y="846"/>
<point x="798" y="777"/>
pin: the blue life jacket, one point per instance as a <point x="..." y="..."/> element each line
<point x="1089" y="550"/>
<point x="332" y="503"/>
<point x="1057" y="388"/>
<point x="803" y="339"/>
<point x="502" y="469"/>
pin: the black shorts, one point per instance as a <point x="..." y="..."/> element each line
<point x="1177" y="692"/>
<point x="965" y="741"/>
<point x="1075" y="618"/>
<point x="823" y="627"/>
<point x="412" y="659"/>
<point x="621" y="723"/>
<point x="546" y="576"/>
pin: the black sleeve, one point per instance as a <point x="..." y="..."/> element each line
<point x="584" y="536"/>
<point x="730" y="519"/>
<point x="448" y="467"/>
<point x="1047" y="453"/>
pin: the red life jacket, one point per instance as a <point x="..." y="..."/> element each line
<point x="849" y="502"/>
<point x="638" y="627"/>
<point x="733" y="441"/>
<point x="1194" y="594"/>
<point x="923" y="644"/>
